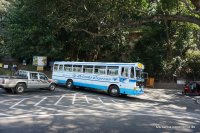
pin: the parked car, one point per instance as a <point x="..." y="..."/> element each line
<point x="191" y="88"/>
<point x="23" y="80"/>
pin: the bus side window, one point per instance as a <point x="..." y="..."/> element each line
<point x="60" y="68"/>
<point x="113" y="71"/>
<point x="55" y="67"/>
<point x="124" y="71"/>
<point x="77" y="68"/>
<point x="88" y="69"/>
<point x="132" y="72"/>
<point x="68" y="68"/>
<point x="101" y="70"/>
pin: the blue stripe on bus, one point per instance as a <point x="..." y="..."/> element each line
<point x="101" y="87"/>
<point x="132" y="80"/>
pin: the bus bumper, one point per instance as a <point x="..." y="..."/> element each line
<point x="132" y="91"/>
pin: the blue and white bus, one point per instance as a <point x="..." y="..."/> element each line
<point x="114" y="78"/>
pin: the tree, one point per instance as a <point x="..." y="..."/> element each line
<point x="156" y="33"/>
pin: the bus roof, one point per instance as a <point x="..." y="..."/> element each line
<point x="100" y="63"/>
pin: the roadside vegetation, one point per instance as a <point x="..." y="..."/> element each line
<point x="163" y="35"/>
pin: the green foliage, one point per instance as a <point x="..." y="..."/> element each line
<point x="5" y="72"/>
<point x="191" y="68"/>
<point x="100" y="30"/>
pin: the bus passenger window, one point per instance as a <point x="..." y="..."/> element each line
<point x="124" y="71"/>
<point x="100" y="70"/>
<point x="60" y="68"/>
<point x="113" y="71"/>
<point x="132" y="72"/>
<point x="77" y="68"/>
<point x="88" y="69"/>
<point x="68" y="68"/>
<point x="55" y="67"/>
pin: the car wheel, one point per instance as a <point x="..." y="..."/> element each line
<point x="70" y="84"/>
<point x="114" y="91"/>
<point x="52" y="87"/>
<point x="20" y="87"/>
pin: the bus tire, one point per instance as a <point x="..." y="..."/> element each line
<point x="20" y="88"/>
<point x="70" y="84"/>
<point x="113" y="90"/>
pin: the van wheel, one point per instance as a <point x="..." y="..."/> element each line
<point x="52" y="87"/>
<point x="70" y="84"/>
<point x="20" y="87"/>
<point x="114" y="91"/>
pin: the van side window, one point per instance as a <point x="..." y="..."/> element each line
<point x="33" y="76"/>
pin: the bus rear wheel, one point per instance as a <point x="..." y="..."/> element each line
<point x="114" y="91"/>
<point x="70" y="84"/>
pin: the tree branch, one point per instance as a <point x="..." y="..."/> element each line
<point x="189" y="8"/>
<point x="180" y="18"/>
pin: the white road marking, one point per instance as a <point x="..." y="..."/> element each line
<point x="101" y="100"/>
<point x="86" y="99"/>
<point x="59" y="100"/>
<point x="74" y="98"/>
<point x="5" y="114"/>
<point x="17" y="103"/>
<point x="114" y="101"/>
<point x="40" y="101"/>
<point x="12" y="100"/>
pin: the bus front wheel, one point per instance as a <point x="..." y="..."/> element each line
<point x="70" y="84"/>
<point x="113" y="90"/>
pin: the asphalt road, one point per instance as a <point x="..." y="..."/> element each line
<point x="74" y="111"/>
